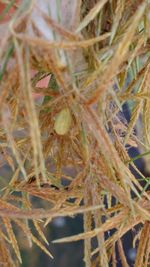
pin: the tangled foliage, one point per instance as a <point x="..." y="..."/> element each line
<point x="68" y="141"/>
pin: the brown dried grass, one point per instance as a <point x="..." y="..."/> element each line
<point x="79" y="123"/>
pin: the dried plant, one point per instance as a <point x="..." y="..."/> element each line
<point x="94" y="59"/>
